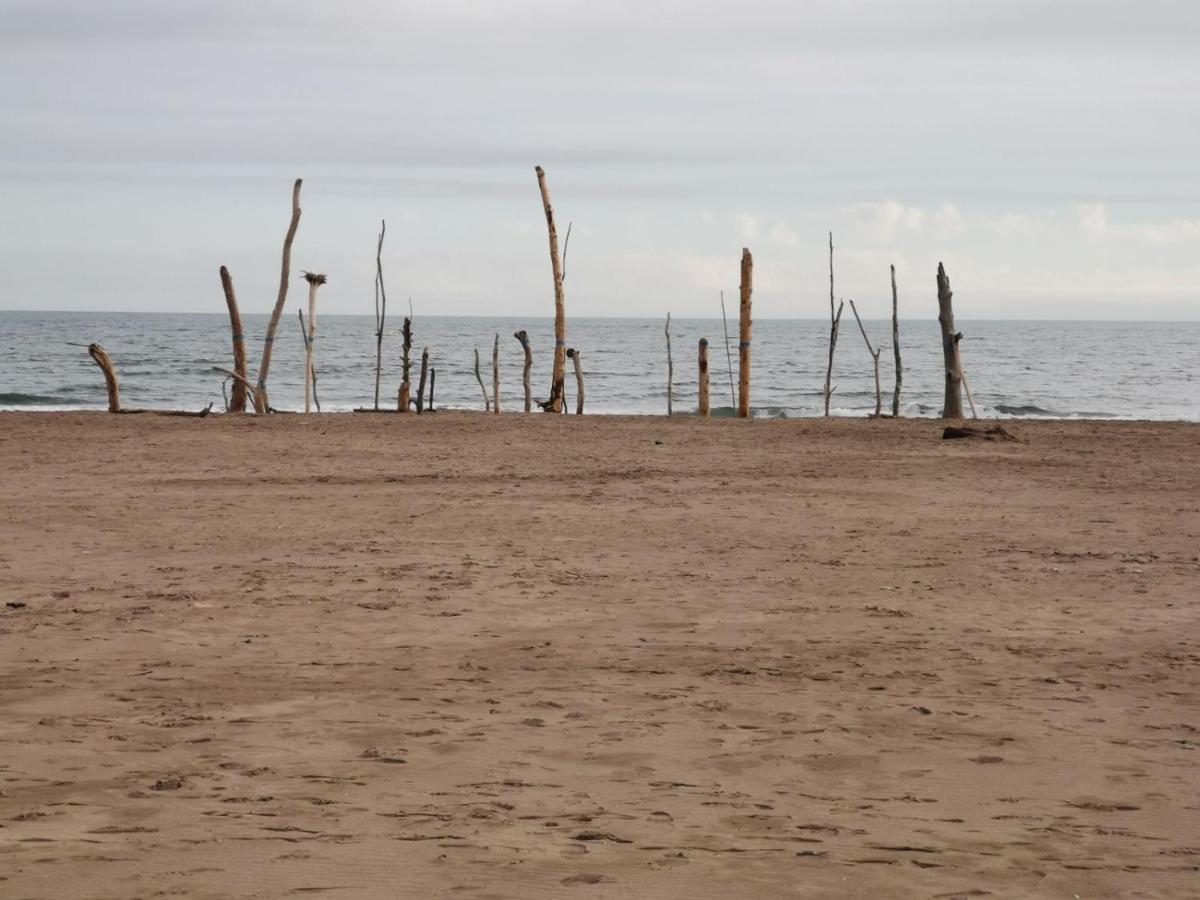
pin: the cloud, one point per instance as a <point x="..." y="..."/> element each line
<point x="1093" y="220"/>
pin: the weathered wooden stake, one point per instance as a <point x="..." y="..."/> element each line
<point x="405" y="399"/>
<point x="496" y="376"/>
<point x="487" y="404"/>
<point x="896" y="346"/>
<point x="874" y="356"/>
<point x="104" y="361"/>
<point x="728" y="354"/>
<point x="703" y="407"/>
<point x="558" y="375"/>
<point x="745" y="321"/>
<point x="237" y="401"/>
<point x="834" y="323"/>
<point x="432" y="383"/>
<point x="307" y="343"/>
<point x="524" y="339"/>
<point x="574" y="356"/>
<point x="670" y="367"/>
<point x="952" y="407"/>
<point x="421" y="385"/>
<point x="970" y="397"/>
<point x="261" y="401"/>
<point x="380" y="308"/>
<point x="314" y="280"/>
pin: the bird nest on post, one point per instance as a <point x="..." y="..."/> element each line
<point x="314" y="278"/>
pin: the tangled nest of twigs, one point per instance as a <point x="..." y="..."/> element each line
<point x="314" y="278"/>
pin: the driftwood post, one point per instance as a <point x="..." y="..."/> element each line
<point x="952" y="408"/>
<point x="896" y="346"/>
<point x="237" y="402"/>
<point x="496" y="376"/>
<point x="314" y="281"/>
<point x="874" y="356"/>
<point x="835" y="321"/>
<point x="261" y="402"/>
<point x="432" y="384"/>
<point x="421" y="385"/>
<point x="313" y="380"/>
<point x="670" y="366"/>
<point x="104" y="361"/>
<point x="970" y="396"/>
<point x="703" y="407"/>
<point x="745" y="321"/>
<point x="380" y="308"/>
<point x="558" y="375"/>
<point x="574" y="356"/>
<point x="487" y="405"/>
<point x="524" y="339"/>
<point x="728" y="354"/>
<point x="404" y="399"/>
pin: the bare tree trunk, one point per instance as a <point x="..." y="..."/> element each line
<point x="496" y="376"/>
<point x="104" y="361"/>
<point x="834" y="322"/>
<point x="262" y="403"/>
<point x="237" y="402"/>
<point x="702" y="409"/>
<point x="314" y="281"/>
<point x="524" y="339"/>
<point x="380" y="309"/>
<point x="670" y="368"/>
<point x="487" y="405"/>
<point x="558" y="376"/>
<point x="307" y="343"/>
<point x="574" y="355"/>
<point x="421" y="386"/>
<point x="728" y="354"/>
<point x="744" y="326"/>
<point x="952" y="408"/>
<point x="405" y="399"/>
<point x="874" y="357"/>
<point x="896" y="346"/>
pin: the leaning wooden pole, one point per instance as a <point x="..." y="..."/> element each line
<point x="952" y="407"/>
<point x="314" y="280"/>
<point x="874" y="357"/>
<point x="575" y="358"/>
<point x="261" y="402"/>
<point x="496" y="376"/>
<point x="237" y="399"/>
<point x="558" y="375"/>
<point x="834" y="322"/>
<point x="487" y="404"/>
<point x="380" y="308"/>
<point x="670" y="367"/>
<point x="525" y="377"/>
<point x="728" y="357"/>
<point x="702" y="409"/>
<point x="744" y="324"/>
<point x="896" y="347"/>
<point x="104" y="361"/>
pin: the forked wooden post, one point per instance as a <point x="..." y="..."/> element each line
<point x="952" y="407"/>
<point x="496" y="376"/>
<point x="896" y="346"/>
<point x="875" y="358"/>
<point x="237" y="400"/>
<point x="487" y="405"/>
<point x="745" y="322"/>
<point x="702" y="409"/>
<point x="574" y="356"/>
<point x="670" y="367"/>
<point x="307" y="342"/>
<point x="315" y="280"/>
<point x="262" y="403"/>
<point x="421" y="385"/>
<point x="104" y="361"/>
<point x="524" y="339"/>
<point x="558" y="375"/>
<point x="405" y="398"/>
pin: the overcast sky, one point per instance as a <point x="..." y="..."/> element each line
<point x="1048" y="152"/>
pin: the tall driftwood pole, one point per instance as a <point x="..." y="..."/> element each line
<point x="670" y="367"/>
<point x="702" y="409"/>
<point x="952" y="408"/>
<point x="728" y="356"/>
<point x="744" y="323"/>
<point x="558" y="375"/>
<point x="307" y="344"/>
<point x="421" y="385"/>
<point x="261" y="402"/>
<point x="380" y="308"/>
<point x="573" y="355"/>
<point x="406" y="367"/>
<point x="835" y="321"/>
<point x="496" y="376"/>
<point x="875" y="358"/>
<point x="896" y="346"/>
<point x="487" y="404"/>
<point x="524" y="340"/>
<point x="237" y="400"/>
<point x="104" y="361"/>
<point x="314" y="280"/>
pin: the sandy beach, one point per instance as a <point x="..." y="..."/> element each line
<point x="480" y="657"/>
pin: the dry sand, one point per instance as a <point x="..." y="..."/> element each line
<point x="462" y="656"/>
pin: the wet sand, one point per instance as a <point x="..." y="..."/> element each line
<point x="468" y="656"/>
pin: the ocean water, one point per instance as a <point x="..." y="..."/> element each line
<point x="1119" y="370"/>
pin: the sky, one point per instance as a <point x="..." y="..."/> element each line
<point x="1047" y="151"/>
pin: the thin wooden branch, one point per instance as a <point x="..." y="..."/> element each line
<point x="315" y="280"/>
<point x="970" y="397"/>
<point x="745" y="324"/>
<point x="566" y="247"/>
<point x="104" y="361"/>
<point x="238" y="402"/>
<point x="487" y="404"/>
<point x="874" y="357"/>
<point x="834" y="322"/>
<point x="896" y="346"/>
<point x="670" y="366"/>
<point x="496" y="375"/>
<point x="574" y="356"/>
<point x="380" y="308"/>
<point x="250" y="389"/>
<point x="952" y="407"/>
<point x="261" y="400"/>
<point x="728" y="354"/>
<point x="555" y="403"/>
<point x="524" y="339"/>
<point x="702" y="408"/>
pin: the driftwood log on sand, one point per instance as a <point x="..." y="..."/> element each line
<point x="990" y="433"/>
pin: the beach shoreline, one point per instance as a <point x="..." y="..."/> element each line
<point x="507" y="656"/>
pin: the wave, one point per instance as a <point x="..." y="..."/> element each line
<point x="22" y="400"/>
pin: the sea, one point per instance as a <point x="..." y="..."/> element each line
<point x="1016" y="369"/>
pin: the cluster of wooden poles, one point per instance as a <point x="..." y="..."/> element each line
<point x="244" y="393"/>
